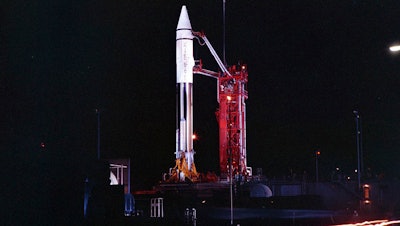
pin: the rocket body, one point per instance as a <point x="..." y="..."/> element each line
<point x="184" y="79"/>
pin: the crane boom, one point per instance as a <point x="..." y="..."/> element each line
<point x="213" y="53"/>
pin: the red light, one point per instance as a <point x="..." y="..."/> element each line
<point x="42" y="145"/>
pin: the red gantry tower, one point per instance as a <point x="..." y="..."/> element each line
<point x="231" y="116"/>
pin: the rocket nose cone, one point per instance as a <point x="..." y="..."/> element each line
<point x="184" y="22"/>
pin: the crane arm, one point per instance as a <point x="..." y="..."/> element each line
<point x="215" y="55"/>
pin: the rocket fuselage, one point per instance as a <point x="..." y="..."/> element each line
<point x="184" y="77"/>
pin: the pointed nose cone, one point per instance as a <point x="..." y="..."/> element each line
<point x="184" y="22"/>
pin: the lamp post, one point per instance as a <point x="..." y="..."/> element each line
<point x="230" y="159"/>
<point x="358" y="135"/>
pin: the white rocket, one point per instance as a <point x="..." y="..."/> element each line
<point x="184" y="77"/>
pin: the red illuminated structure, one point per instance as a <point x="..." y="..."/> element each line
<point x="231" y="117"/>
<point x="231" y="114"/>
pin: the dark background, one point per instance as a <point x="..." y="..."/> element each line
<point x="311" y="63"/>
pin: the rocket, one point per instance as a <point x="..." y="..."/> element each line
<point x="184" y="80"/>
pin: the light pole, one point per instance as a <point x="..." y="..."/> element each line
<point x="358" y="135"/>
<point x="230" y="158"/>
<point x="317" y="154"/>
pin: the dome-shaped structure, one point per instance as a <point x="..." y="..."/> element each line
<point x="260" y="191"/>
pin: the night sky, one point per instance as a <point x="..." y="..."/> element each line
<point x="310" y="63"/>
